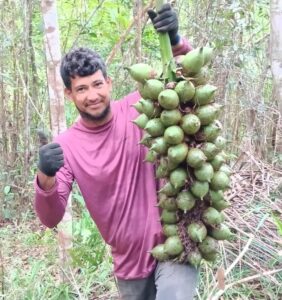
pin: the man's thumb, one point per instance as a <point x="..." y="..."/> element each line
<point x="152" y="14"/>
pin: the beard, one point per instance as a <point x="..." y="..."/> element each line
<point x="94" y="118"/>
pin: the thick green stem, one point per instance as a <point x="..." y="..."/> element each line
<point x="166" y="51"/>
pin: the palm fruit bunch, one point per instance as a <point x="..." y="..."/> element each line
<point x="182" y="133"/>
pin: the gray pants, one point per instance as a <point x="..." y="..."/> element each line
<point x="169" y="281"/>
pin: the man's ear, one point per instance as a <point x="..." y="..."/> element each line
<point x="68" y="94"/>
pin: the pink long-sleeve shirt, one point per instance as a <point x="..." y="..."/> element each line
<point x="118" y="187"/>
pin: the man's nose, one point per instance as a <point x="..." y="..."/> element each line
<point x="92" y="94"/>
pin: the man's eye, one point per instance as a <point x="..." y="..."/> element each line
<point x="82" y="89"/>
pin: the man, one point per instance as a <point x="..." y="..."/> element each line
<point x="101" y="153"/>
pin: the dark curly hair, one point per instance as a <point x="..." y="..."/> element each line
<point x="81" y="62"/>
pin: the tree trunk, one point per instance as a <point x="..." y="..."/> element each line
<point x="58" y="122"/>
<point x="137" y="11"/>
<point x="276" y="67"/>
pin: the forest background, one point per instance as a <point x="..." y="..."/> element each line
<point x="240" y="33"/>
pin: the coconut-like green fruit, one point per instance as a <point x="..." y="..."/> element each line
<point x="210" y="257"/>
<point x="141" y="121"/>
<point x="138" y="106"/>
<point x="168" y="217"/>
<point x="141" y="72"/>
<point x="210" y="132"/>
<point x="212" y="217"/>
<point x="208" y="245"/>
<point x="226" y="169"/>
<point x="173" y="246"/>
<point x="147" y="107"/>
<point x="151" y="156"/>
<point x="193" y="61"/>
<point x="159" y="145"/>
<point x="216" y="196"/>
<point x="170" y="117"/>
<point x="200" y="189"/>
<point x="174" y="135"/>
<point x="221" y="205"/>
<point x="169" y="204"/>
<point x="153" y="87"/>
<point x="218" y="161"/>
<point x="155" y="127"/>
<point x="204" y="94"/>
<point x="178" y="177"/>
<point x="190" y="124"/>
<point x="221" y="232"/>
<point x="168" y="99"/>
<point x="170" y="230"/>
<point x="185" y="201"/>
<point x="177" y="153"/>
<point x="194" y="258"/>
<point x="202" y="77"/>
<point x="207" y="52"/>
<point x="146" y="140"/>
<point x="197" y="231"/>
<point x="142" y="91"/>
<point x="159" y="253"/>
<point x="169" y="190"/>
<point x="205" y="172"/>
<point x="161" y="172"/>
<point x="207" y="113"/>
<point x="185" y="90"/>
<point x="195" y="158"/>
<point x="220" y="181"/>
<point x="220" y="142"/>
<point x="210" y="150"/>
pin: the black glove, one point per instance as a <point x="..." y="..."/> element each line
<point x="165" y="20"/>
<point x="51" y="159"/>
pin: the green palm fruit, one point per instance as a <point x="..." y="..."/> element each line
<point x="210" y="257"/>
<point x="190" y="124"/>
<point x="161" y="172"/>
<point x="169" y="190"/>
<point x="141" y="72"/>
<point x="151" y="156"/>
<point x="170" y="230"/>
<point x="204" y="94"/>
<point x="159" y="145"/>
<point x="207" y="51"/>
<point x="168" y="203"/>
<point x="155" y="127"/>
<point x="168" y="99"/>
<point x="202" y="77"/>
<point x="185" y="201"/>
<point x="216" y="196"/>
<point x="177" y="154"/>
<point x="142" y="91"/>
<point x="220" y="181"/>
<point x="173" y="245"/>
<point x="212" y="217"/>
<point x="194" y="258"/>
<point x="204" y="173"/>
<point x="141" y="121"/>
<point x="147" y="107"/>
<point x="159" y="253"/>
<point x="220" y="142"/>
<point x="218" y="161"/>
<point x="210" y="132"/>
<point x="170" y="117"/>
<point x="185" y="90"/>
<point x="168" y="217"/>
<point x="200" y="189"/>
<point x="193" y="61"/>
<point x="226" y="169"/>
<point x="138" y="106"/>
<point x="221" y="232"/>
<point x="174" y="135"/>
<point x="152" y="88"/>
<point x="195" y="158"/>
<point x="221" y="205"/>
<point x="207" y="113"/>
<point x="178" y="177"/>
<point x="208" y="245"/>
<point x="146" y="140"/>
<point x="171" y="165"/>
<point x="210" y="150"/>
<point x="197" y="231"/>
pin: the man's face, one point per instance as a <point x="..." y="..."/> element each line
<point x="91" y="95"/>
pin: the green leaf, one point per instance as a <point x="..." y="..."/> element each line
<point x="7" y="190"/>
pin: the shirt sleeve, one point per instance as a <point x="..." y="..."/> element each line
<point x="182" y="47"/>
<point x="50" y="205"/>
